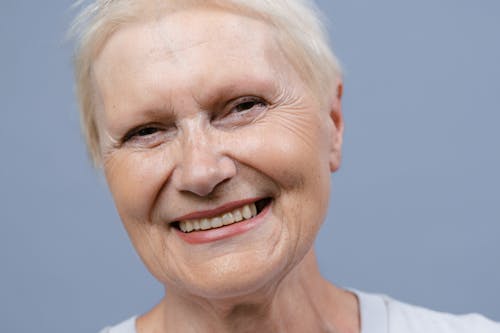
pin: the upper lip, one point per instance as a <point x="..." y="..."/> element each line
<point x="227" y="207"/>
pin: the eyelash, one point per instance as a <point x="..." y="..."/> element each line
<point x="141" y="132"/>
<point x="240" y="106"/>
<point x="252" y="100"/>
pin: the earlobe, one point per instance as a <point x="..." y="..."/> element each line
<point x="337" y="131"/>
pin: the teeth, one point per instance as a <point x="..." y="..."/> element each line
<point x="227" y="219"/>
<point x="243" y="213"/>
<point x="205" y="225"/>
<point x="237" y="215"/>
<point x="216" y="222"/>
<point x="246" y="212"/>
<point x="253" y="210"/>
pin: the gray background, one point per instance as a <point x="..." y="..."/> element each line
<point x="415" y="209"/>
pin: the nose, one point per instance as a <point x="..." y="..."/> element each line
<point x="203" y="166"/>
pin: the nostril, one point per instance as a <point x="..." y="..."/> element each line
<point x="202" y="175"/>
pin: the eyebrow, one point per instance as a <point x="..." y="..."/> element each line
<point x="140" y="116"/>
<point x="231" y="89"/>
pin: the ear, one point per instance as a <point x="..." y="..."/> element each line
<point x="337" y="130"/>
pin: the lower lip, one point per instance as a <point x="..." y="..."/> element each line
<point x="212" y="235"/>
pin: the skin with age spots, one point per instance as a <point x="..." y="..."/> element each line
<point x="194" y="116"/>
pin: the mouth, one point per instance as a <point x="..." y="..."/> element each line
<point x="232" y="216"/>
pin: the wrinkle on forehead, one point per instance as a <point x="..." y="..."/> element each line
<point x="165" y="40"/>
<point x="168" y="38"/>
<point x="151" y="65"/>
<point x="232" y="32"/>
<point x="174" y="33"/>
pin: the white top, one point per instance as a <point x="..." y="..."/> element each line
<point x="128" y="326"/>
<point x="382" y="314"/>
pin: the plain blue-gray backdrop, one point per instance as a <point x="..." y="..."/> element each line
<point x="415" y="209"/>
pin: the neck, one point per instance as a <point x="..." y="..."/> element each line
<point x="301" y="302"/>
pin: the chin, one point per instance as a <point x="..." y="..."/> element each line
<point x="248" y="264"/>
<point x="247" y="272"/>
<point x="240" y="280"/>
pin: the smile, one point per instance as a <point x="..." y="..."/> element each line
<point x="239" y="214"/>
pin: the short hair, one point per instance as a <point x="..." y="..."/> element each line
<point x="297" y="24"/>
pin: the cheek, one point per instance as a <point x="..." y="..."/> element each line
<point x="292" y="151"/>
<point x="134" y="179"/>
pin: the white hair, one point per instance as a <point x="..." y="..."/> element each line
<point x="297" y="24"/>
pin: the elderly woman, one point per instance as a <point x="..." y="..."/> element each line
<point x="217" y="125"/>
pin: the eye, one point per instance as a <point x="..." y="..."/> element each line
<point x="140" y="133"/>
<point x="147" y="131"/>
<point x="241" y="111"/>
<point x="148" y="136"/>
<point x="248" y="103"/>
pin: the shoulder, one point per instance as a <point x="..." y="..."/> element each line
<point x="401" y="317"/>
<point x="127" y="326"/>
<point x="404" y="317"/>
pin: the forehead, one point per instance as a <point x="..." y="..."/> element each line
<point x="190" y="49"/>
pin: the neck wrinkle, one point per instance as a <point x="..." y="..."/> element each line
<point x="303" y="301"/>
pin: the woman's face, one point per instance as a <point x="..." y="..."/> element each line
<point x="200" y="115"/>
